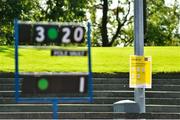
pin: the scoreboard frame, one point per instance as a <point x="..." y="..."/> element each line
<point x="50" y="32"/>
<point x="55" y="100"/>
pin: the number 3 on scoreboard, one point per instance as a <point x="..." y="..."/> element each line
<point x="40" y="34"/>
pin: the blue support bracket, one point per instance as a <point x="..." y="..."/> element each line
<point x="16" y="37"/>
<point x="55" y="109"/>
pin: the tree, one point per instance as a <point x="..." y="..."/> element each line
<point x="10" y="9"/>
<point x="34" y="10"/>
<point x="162" y="22"/>
<point x="113" y="21"/>
<point x="65" y="10"/>
<point x="116" y="25"/>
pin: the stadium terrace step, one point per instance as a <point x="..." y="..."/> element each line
<point x="162" y="101"/>
<point x="62" y="107"/>
<point x="11" y="87"/>
<point x="117" y="93"/>
<point x="111" y="100"/>
<point x="126" y="87"/>
<point x="125" y="81"/>
<point x="80" y="108"/>
<point x="149" y="94"/>
<point x="87" y="115"/>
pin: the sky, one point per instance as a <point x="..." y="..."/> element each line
<point x="169" y="2"/>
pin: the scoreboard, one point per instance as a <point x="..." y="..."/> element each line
<point x="44" y="33"/>
<point x="44" y="85"/>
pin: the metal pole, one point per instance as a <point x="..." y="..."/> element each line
<point x="55" y="109"/>
<point x="145" y="19"/>
<point x="139" y="93"/>
<point x="16" y="36"/>
<point x="89" y="63"/>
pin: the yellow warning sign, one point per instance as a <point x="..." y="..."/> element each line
<point x="140" y="72"/>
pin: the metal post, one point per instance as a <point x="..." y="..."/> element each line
<point x="145" y="19"/>
<point x="139" y="93"/>
<point x="55" y="109"/>
<point x="89" y="63"/>
<point x="16" y="36"/>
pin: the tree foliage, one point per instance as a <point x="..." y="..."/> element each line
<point x="34" y="10"/>
<point x="65" y="10"/>
<point x="162" y="22"/>
<point x="113" y="22"/>
<point x="11" y="9"/>
<point x="114" y="26"/>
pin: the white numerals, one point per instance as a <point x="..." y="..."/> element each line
<point x="67" y="34"/>
<point x="78" y="34"/>
<point x="81" y="84"/>
<point x="40" y="32"/>
<point x="65" y="38"/>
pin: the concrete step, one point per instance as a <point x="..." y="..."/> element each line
<point x="163" y="108"/>
<point x="126" y="87"/>
<point x="149" y="94"/>
<point x="111" y="100"/>
<point x="87" y="115"/>
<point x="6" y="87"/>
<point x="152" y="101"/>
<point x="11" y="87"/>
<point x="81" y="108"/>
<point x="110" y="81"/>
<point x="8" y="80"/>
<point x="62" y="108"/>
<point x="126" y="81"/>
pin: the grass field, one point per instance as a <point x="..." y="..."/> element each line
<point x="104" y="60"/>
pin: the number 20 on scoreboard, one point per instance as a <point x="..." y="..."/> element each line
<point x="50" y="33"/>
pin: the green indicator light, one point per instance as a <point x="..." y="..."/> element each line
<point x="43" y="84"/>
<point x="52" y="33"/>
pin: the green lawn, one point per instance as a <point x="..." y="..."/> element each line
<point x="104" y="60"/>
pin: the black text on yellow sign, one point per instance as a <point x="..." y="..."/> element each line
<point x="140" y="72"/>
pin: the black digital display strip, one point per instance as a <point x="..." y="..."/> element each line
<point x="32" y="34"/>
<point x="57" y="84"/>
<point x="67" y="52"/>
